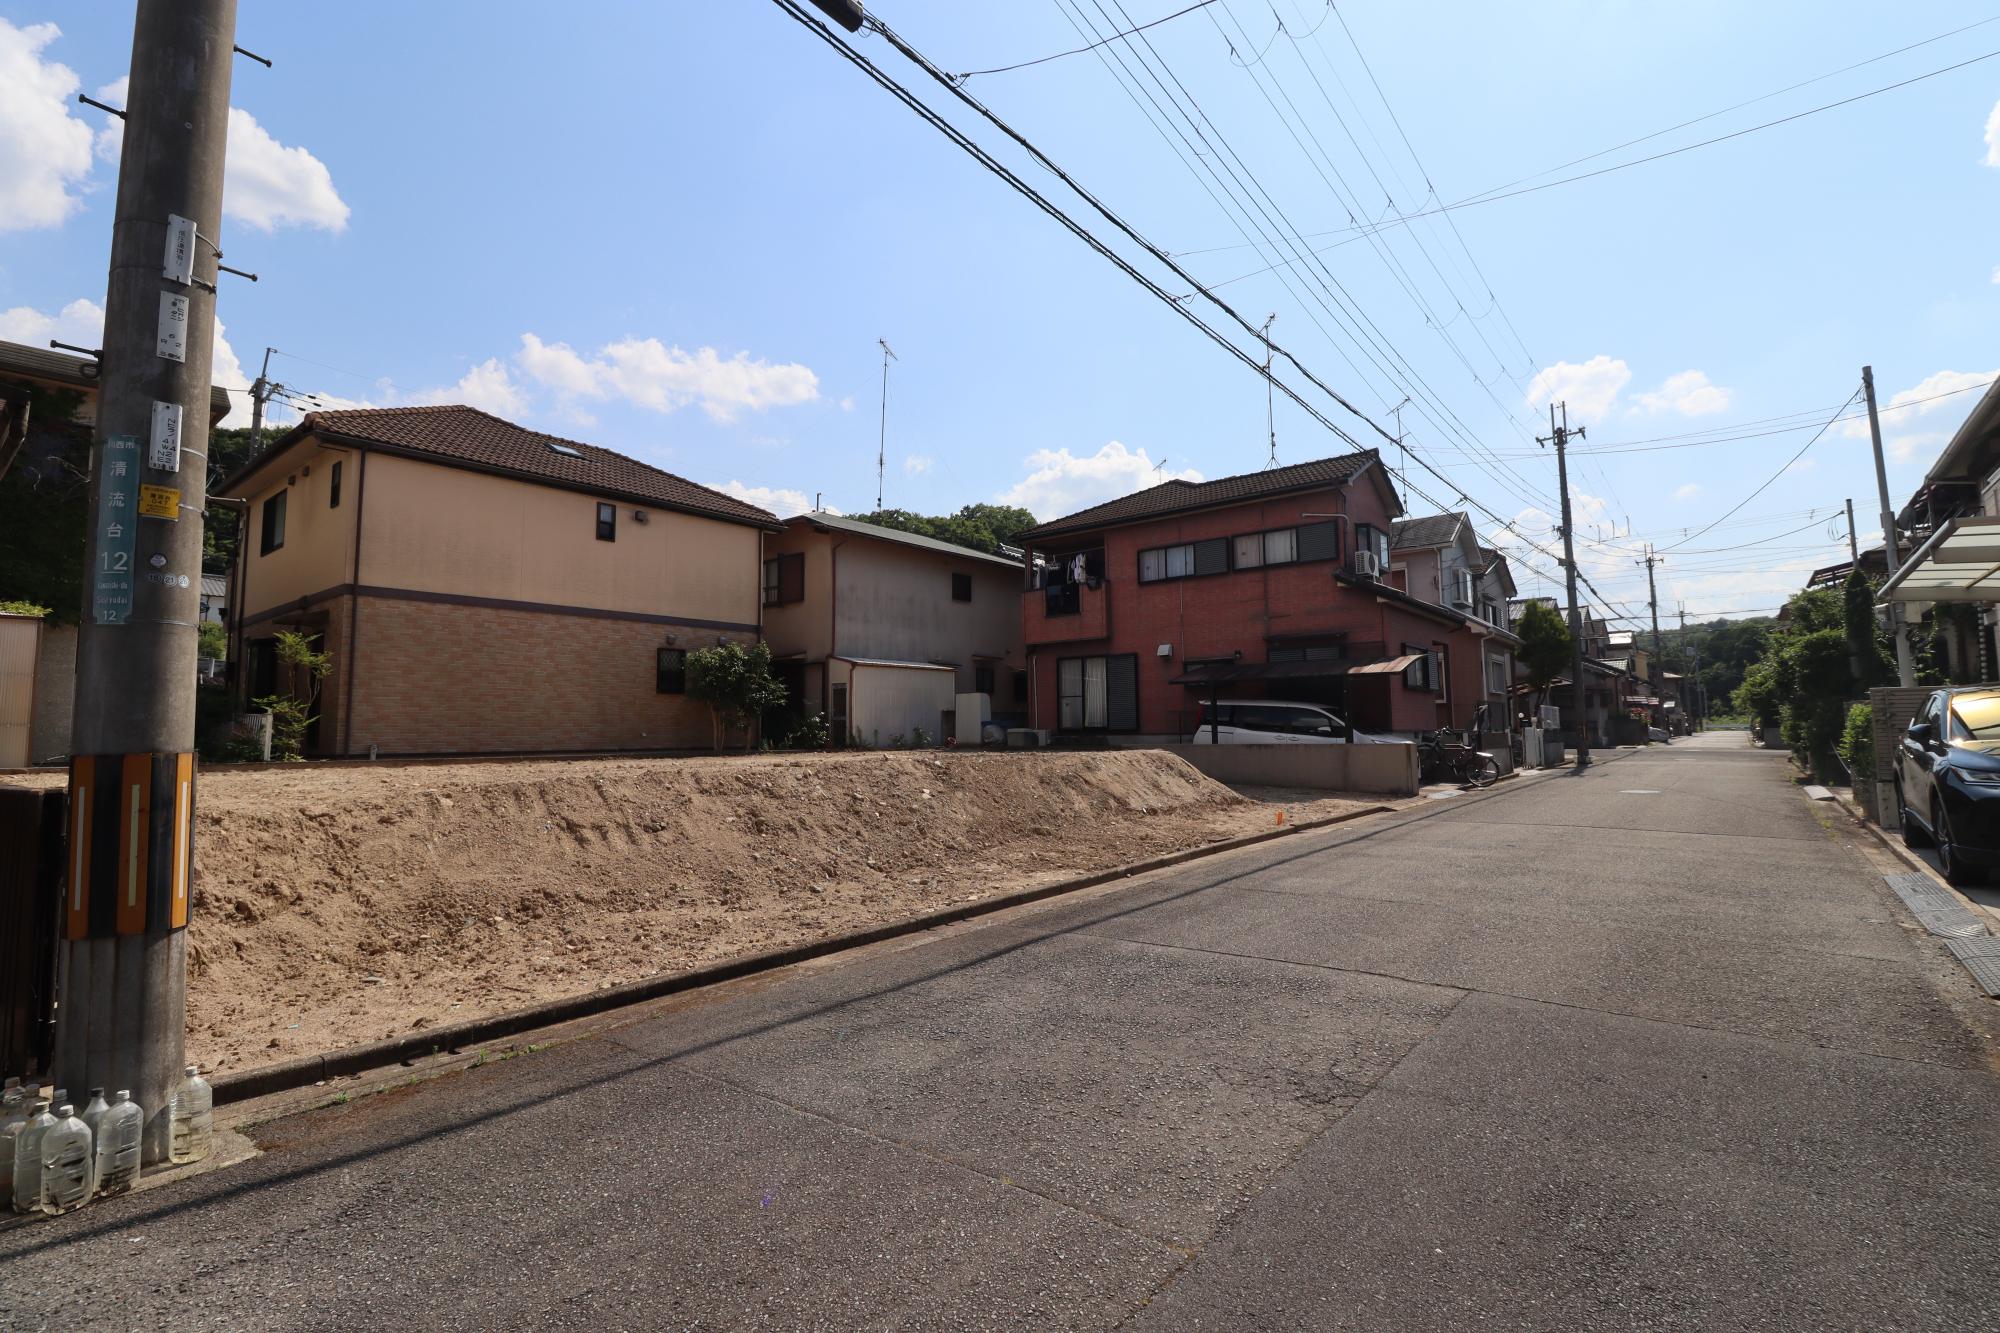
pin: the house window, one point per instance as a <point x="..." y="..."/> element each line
<point x="1098" y="693"/>
<point x="333" y="487"/>
<point x="961" y="587"/>
<point x="1184" y="560"/>
<point x="1496" y="675"/>
<point x="607" y="522"/>
<point x="982" y="678"/>
<point x="1281" y="547"/>
<point x="274" y="523"/>
<point x="670" y="671"/>
<point x="1288" y="546"/>
<point x="785" y="579"/>
<point x="1368" y="537"/>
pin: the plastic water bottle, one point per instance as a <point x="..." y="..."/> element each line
<point x="28" y="1159"/>
<point x="191" y="1119"/>
<point x="67" y="1162"/>
<point x="91" y="1116"/>
<point x="13" y="1115"/>
<point x="118" y="1133"/>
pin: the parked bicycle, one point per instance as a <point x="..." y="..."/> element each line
<point x="1446" y="755"/>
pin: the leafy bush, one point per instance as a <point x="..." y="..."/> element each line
<point x="809" y="733"/>
<point x="19" y="607"/>
<point x="736" y="683"/>
<point x="1857" y="742"/>
<point x="212" y="639"/>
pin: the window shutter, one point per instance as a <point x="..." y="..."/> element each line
<point x="1319" y="541"/>
<point x="1212" y="556"/>
<point x="1121" y="692"/>
<point x="792" y="578"/>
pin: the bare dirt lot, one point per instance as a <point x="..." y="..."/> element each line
<point x="343" y="904"/>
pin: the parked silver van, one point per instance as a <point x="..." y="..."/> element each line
<point x="1275" y="722"/>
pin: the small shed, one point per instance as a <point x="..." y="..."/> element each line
<point x="882" y="702"/>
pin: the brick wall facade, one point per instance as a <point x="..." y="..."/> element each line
<point x="432" y="678"/>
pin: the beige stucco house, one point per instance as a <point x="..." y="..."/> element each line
<point x="485" y="588"/>
<point x="882" y="630"/>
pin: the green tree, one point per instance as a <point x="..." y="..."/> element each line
<point x="307" y="666"/>
<point x="980" y="527"/>
<point x="1757" y="697"/>
<point x="1870" y="650"/>
<point x="1545" y="646"/>
<point x="213" y="638"/>
<point x="737" y="684"/>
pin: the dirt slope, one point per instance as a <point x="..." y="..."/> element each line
<point x="336" y="905"/>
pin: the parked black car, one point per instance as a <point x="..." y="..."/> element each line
<point x="1948" y="780"/>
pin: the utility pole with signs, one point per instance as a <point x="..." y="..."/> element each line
<point x="1559" y="436"/>
<point x="131" y="785"/>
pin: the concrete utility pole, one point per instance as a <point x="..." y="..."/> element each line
<point x="1559" y="436"/>
<point x="124" y="972"/>
<point x="1270" y="409"/>
<point x="1694" y="650"/>
<point x="260" y="391"/>
<point x="1906" y="661"/>
<point x="1659" y="667"/>
<point x="1853" y="547"/>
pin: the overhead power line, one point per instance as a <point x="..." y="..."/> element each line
<point x="1506" y="192"/>
<point x="1043" y="60"/>
<point x="1774" y="476"/>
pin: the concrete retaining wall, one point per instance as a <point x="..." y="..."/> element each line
<point x="1389" y="770"/>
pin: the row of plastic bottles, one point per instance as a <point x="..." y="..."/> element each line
<point x="53" y="1160"/>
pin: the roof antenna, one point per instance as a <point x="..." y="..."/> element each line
<point x="882" y="441"/>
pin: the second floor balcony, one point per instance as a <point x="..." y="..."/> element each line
<point x="1066" y="613"/>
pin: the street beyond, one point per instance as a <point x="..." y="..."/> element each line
<point x="1649" y="1046"/>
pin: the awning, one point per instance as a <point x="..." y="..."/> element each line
<point x="1224" y="673"/>
<point x="1960" y="563"/>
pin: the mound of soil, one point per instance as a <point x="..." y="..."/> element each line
<point x="343" y="904"/>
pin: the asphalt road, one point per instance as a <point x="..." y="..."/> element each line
<point x="1649" y="1047"/>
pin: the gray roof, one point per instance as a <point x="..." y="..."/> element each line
<point x="78" y="372"/>
<point x="1178" y="497"/>
<point x="841" y="523"/>
<point x="1421" y="534"/>
<point x="214" y="585"/>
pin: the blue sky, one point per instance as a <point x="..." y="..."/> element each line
<point x="679" y="230"/>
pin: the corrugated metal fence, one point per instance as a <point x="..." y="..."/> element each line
<point x="31" y="865"/>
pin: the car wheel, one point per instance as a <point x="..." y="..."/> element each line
<point x="1954" y="867"/>
<point x="1913" y="832"/>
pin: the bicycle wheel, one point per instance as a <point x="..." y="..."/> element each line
<point x="1482" y="772"/>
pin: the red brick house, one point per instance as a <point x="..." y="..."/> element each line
<point x="1266" y="585"/>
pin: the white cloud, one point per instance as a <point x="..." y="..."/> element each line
<point x="1949" y="394"/>
<point x="1688" y="393"/>
<point x="847" y="403"/>
<point x="1906" y="448"/>
<point x="111" y="137"/>
<point x="1993" y="137"/>
<point x="915" y="465"/>
<point x="80" y="323"/>
<point x="486" y="386"/>
<point x="44" y="150"/>
<point x="264" y="183"/>
<point x="1590" y="387"/>
<point x="1687" y="492"/>
<point x="1996" y="274"/>
<point x="779" y="500"/>
<point x="1060" y="483"/>
<point x="650" y="374"/>
<point x="269" y="185"/>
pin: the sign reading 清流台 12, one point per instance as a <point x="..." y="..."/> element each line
<point x="117" y="524"/>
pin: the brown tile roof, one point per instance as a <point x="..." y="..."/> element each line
<point x="1174" y="497"/>
<point x="468" y="437"/>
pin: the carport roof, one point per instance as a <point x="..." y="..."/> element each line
<point x="1225" y="672"/>
<point x="1960" y="563"/>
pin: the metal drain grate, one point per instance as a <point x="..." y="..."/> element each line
<point x="1937" y="908"/>
<point x="1981" y="958"/>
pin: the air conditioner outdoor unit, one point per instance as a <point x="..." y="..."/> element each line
<point x="1366" y="565"/>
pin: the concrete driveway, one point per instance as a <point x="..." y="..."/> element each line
<point x="1647" y="1047"/>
